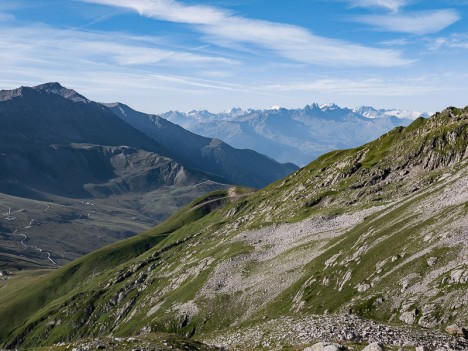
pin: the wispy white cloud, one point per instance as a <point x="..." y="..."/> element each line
<point x="454" y="41"/>
<point x="396" y="42"/>
<point x="295" y="43"/>
<point x="392" y="5"/>
<point x="422" y="22"/>
<point x="171" y="10"/>
<point x="110" y="64"/>
<point x="4" y="17"/>
<point x="38" y="43"/>
<point x="367" y="87"/>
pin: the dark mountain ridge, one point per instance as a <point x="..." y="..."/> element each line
<point x="74" y="176"/>
<point x="56" y="145"/>
<point x="48" y="121"/>
<point x="245" y="167"/>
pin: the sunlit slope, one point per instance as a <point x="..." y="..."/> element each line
<point x="379" y="231"/>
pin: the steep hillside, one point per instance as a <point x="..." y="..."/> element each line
<point x="378" y="231"/>
<point x="245" y="167"/>
<point x="292" y="135"/>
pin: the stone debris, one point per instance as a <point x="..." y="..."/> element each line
<point x="335" y="329"/>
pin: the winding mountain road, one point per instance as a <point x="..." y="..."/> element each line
<point x="24" y="236"/>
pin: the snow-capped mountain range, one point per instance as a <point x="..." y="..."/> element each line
<point x="294" y="135"/>
<point x="370" y="112"/>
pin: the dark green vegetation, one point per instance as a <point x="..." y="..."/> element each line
<point x="379" y="231"/>
<point x="74" y="177"/>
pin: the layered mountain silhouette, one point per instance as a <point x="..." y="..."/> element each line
<point x="54" y="140"/>
<point x="210" y="155"/>
<point x="294" y="135"/>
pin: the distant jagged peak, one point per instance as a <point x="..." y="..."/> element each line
<point x="200" y="112"/>
<point x="371" y="112"/>
<point x="10" y="94"/>
<point x="330" y="106"/>
<point x="313" y="106"/>
<point x="57" y="88"/>
<point x="235" y="111"/>
<point x="275" y="108"/>
<point x="368" y="111"/>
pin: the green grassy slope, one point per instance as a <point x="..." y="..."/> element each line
<point x="377" y="230"/>
<point x="82" y="274"/>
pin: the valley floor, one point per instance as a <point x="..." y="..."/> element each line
<point x="48" y="233"/>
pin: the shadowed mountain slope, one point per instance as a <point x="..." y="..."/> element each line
<point x="63" y="146"/>
<point x="245" y="167"/>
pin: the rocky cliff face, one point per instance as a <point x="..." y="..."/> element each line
<point x="378" y="232"/>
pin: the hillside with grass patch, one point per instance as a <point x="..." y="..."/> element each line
<point x="378" y="232"/>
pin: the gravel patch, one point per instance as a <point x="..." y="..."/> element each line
<point x="277" y="333"/>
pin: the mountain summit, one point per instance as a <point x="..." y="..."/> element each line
<point x="58" y="89"/>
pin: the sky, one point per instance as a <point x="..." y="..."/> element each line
<point x="161" y="55"/>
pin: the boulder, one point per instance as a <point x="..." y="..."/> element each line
<point x="409" y="317"/>
<point x="326" y="346"/>
<point x="457" y="330"/>
<point x="459" y="276"/>
<point x="375" y="346"/>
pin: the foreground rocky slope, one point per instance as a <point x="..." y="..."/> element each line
<point x="379" y="231"/>
<point x="347" y="331"/>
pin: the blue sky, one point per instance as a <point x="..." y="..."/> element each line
<point x="160" y="55"/>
